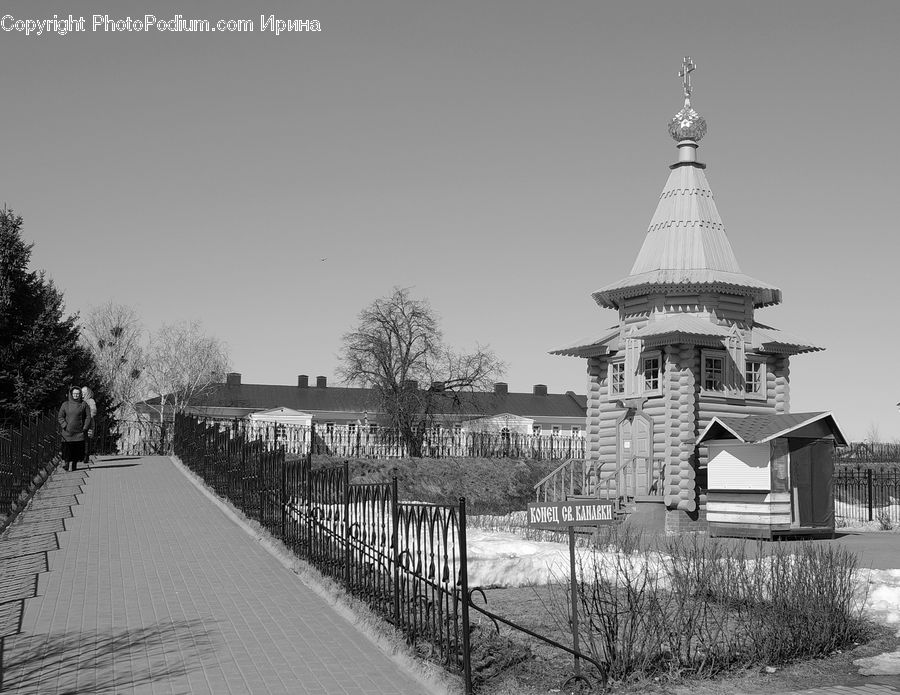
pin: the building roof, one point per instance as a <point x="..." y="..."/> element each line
<point x="674" y="326"/>
<point x="313" y="399"/>
<point x="768" y="339"/>
<point x="686" y="245"/>
<point x="756" y="429"/>
<point x="682" y="324"/>
<point x="591" y="347"/>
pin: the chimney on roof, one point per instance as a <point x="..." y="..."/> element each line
<point x="303" y="381"/>
<point x="437" y="386"/>
<point x="233" y="378"/>
<point x="501" y="388"/>
<point x="540" y="390"/>
<point x="321" y="382"/>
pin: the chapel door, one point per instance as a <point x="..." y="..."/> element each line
<point x="801" y="484"/>
<point x="635" y="434"/>
<point x="822" y="488"/>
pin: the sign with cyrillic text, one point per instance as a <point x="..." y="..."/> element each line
<point x="561" y="515"/>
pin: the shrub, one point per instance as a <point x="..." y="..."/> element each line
<point x="701" y="606"/>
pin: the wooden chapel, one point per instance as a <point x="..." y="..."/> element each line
<point x="686" y="348"/>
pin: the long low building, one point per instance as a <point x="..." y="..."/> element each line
<point x="538" y="412"/>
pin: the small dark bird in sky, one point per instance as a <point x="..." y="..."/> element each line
<point x="324" y="259"/>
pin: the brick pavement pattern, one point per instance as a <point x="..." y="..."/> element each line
<point x="872" y="689"/>
<point x="155" y="590"/>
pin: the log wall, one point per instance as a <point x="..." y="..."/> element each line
<point x="682" y="412"/>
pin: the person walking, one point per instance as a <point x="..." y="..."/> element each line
<point x="74" y="420"/>
<point x="88" y="397"/>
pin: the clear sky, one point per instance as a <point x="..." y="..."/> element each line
<point x="502" y="157"/>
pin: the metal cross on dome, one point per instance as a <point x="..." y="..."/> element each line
<point x="687" y="67"/>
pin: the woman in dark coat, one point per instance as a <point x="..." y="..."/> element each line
<point x="75" y="421"/>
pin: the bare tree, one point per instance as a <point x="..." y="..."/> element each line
<point x="182" y="364"/>
<point x="398" y="341"/>
<point x="873" y="433"/>
<point x="114" y="335"/>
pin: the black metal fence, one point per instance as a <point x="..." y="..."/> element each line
<point x="867" y="494"/>
<point x="343" y="441"/>
<point x="131" y="437"/>
<point x="868" y="452"/>
<point x="407" y="561"/>
<point x="28" y="453"/>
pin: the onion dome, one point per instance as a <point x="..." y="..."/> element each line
<point x="687" y="124"/>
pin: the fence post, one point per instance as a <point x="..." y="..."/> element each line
<point x="260" y="491"/>
<point x="243" y="473"/>
<point x="869" y="492"/>
<point x="395" y="548"/>
<point x="464" y="586"/>
<point x="346" y="482"/>
<point x="283" y="497"/>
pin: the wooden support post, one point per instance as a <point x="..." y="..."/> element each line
<point x="573" y="589"/>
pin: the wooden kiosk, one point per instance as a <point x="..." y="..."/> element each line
<point x="771" y="475"/>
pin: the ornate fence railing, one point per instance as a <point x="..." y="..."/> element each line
<point x="363" y="442"/>
<point x="28" y="453"/>
<point x="407" y="561"/>
<point x="867" y="494"/>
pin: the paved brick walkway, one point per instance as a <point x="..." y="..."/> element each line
<point x="155" y="590"/>
<point x="849" y="690"/>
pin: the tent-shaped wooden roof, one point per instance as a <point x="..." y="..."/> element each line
<point x="756" y="429"/>
<point x="686" y="245"/>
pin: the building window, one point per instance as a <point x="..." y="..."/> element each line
<point x="373" y="428"/>
<point x="329" y="428"/>
<point x="713" y="376"/>
<point x="536" y="430"/>
<point x="755" y="378"/>
<point x="351" y="428"/>
<point x="616" y="378"/>
<point x="576" y="430"/>
<point x="457" y="430"/>
<point x="555" y="430"/>
<point x="650" y="368"/>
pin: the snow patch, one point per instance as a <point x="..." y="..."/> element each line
<point x="887" y="664"/>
